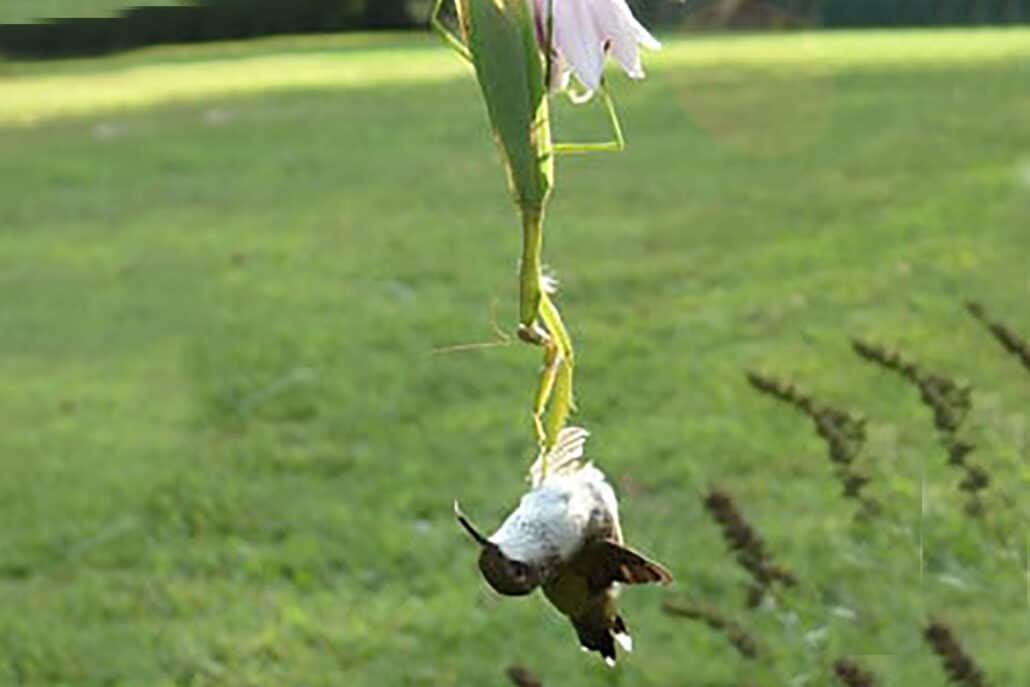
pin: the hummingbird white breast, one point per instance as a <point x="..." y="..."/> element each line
<point x="565" y="538"/>
<point x="570" y="505"/>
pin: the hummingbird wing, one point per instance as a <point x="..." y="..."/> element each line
<point x="563" y="457"/>
<point x="584" y="591"/>
<point x="604" y="561"/>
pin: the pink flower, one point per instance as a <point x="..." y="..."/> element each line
<point x="584" y="32"/>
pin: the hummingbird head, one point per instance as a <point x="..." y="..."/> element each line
<point x="506" y="576"/>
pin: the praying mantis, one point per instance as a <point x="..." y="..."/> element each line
<point x="500" y="39"/>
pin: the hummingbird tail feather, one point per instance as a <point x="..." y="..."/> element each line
<point x="600" y="634"/>
<point x="596" y="637"/>
<point x="564" y="456"/>
<point x="622" y="634"/>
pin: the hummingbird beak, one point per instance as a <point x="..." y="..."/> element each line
<point x="469" y="527"/>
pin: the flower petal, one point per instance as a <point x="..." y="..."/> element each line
<point x="577" y="39"/>
<point x="584" y="32"/>
<point x="621" y="40"/>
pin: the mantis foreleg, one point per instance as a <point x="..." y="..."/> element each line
<point x="561" y="402"/>
<point x="540" y="323"/>
<point x="530" y="277"/>
<point x="553" y="400"/>
<point x="548" y="376"/>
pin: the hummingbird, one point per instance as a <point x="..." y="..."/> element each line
<point x="565" y="537"/>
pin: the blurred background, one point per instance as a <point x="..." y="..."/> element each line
<point x="69" y="27"/>
<point x="242" y="246"/>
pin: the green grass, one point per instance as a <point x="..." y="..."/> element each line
<point x="229" y="452"/>
<point x="20" y="11"/>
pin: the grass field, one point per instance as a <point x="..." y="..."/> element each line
<point x="21" y="11"/>
<point x="229" y="452"/>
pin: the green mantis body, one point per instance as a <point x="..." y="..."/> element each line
<point x="500" y="41"/>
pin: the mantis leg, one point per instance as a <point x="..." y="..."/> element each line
<point x="531" y="295"/>
<point x="445" y="33"/>
<point x="530" y="277"/>
<point x="548" y="377"/>
<point x="561" y="401"/>
<point x="541" y="324"/>
<point x="617" y="143"/>
<point x="553" y="400"/>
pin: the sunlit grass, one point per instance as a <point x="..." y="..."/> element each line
<point x="42" y="96"/>
<point x="834" y="50"/>
<point x="35" y="93"/>
<point x="18" y="11"/>
<point x="229" y="451"/>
